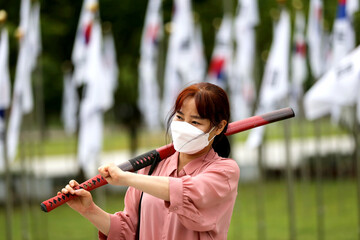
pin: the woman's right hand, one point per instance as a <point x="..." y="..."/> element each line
<point x="82" y="202"/>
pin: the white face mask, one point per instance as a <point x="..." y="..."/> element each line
<point x="187" y="138"/>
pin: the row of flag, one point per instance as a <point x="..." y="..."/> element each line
<point x="21" y="101"/>
<point x="338" y="85"/>
<point x="232" y="62"/>
<point x="337" y="79"/>
<point x="95" y="69"/>
<point x="185" y="60"/>
<point x="331" y="56"/>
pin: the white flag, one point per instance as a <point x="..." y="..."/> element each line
<point x="149" y="93"/>
<point x="199" y="61"/>
<point x="2" y="140"/>
<point x="298" y="62"/>
<point x="91" y="106"/>
<point x="4" y="89"/>
<point x="343" y="33"/>
<point x="34" y="35"/>
<point x="221" y="59"/>
<point x="13" y="128"/>
<point x="70" y="104"/>
<point x="110" y="71"/>
<point x="179" y="61"/>
<point x="315" y="38"/>
<point x="242" y="87"/>
<point x="99" y="85"/>
<point x="339" y="86"/>
<point x="4" y="70"/>
<point x="29" y="50"/>
<point x="90" y="142"/>
<point x="343" y="43"/>
<point x="352" y="6"/>
<point x="275" y="84"/>
<point x="82" y="39"/>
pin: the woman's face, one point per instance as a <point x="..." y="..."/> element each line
<point x="188" y="113"/>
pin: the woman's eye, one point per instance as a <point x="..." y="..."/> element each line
<point x="195" y="123"/>
<point x="178" y="117"/>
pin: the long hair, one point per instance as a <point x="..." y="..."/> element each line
<point x="212" y="103"/>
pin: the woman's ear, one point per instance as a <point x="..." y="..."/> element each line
<point x="221" y="127"/>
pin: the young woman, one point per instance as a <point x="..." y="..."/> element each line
<point x="191" y="194"/>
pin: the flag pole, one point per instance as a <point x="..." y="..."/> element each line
<point x="39" y="96"/>
<point x="9" y="193"/>
<point x="319" y="184"/>
<point x="289" y="181"/>
<point x="260" y="206"/>
<point x="356" y="136"/>
<point x="19" y="34"/>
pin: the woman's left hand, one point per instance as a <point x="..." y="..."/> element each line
<point x="113" y="174"/>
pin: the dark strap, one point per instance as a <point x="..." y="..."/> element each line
<point x="152" y="168"/>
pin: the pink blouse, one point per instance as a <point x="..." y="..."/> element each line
<point x="202" y="197"/>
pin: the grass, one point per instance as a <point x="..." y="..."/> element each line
<point x="340" y="211"/>
<point x="340" y="214"/>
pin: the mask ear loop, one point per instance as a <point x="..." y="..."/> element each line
<point x="210" y="132"/>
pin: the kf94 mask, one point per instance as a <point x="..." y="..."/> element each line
<point x="187" y="138"/>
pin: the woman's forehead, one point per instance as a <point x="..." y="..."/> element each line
<point x="189" y="107"/>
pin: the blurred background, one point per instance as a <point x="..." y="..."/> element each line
<point x="83" y="83"/>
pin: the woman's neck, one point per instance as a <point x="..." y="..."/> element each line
<point x="186" y="158"/>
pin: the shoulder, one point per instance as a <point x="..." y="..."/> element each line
<point x="228" y="164"/>
<point x="221" y="164"/>
<point x="216" y="159"/>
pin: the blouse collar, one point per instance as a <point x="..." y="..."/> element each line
<point x="192" y="166"/>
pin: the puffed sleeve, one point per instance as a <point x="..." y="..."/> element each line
<point x="201" y="200"/>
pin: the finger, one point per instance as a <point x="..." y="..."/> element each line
<point x="64" y="191"/>
<point x="104" y="171"/>
<point x="114" y="170"/>
<point x="113" y="166"/>
<point x="69" y="189"/>
<point x="103" y="167"/>
<point x="81" y="192"/>
<point x="73" y="183"/>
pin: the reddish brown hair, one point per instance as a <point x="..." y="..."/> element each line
<point x="212" y="103"/>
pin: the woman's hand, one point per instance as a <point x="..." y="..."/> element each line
<point x="157" y="186"/>
<point x="82" y="202"/>
<point x="113" y="174"/>
<point x="85" y="205"/>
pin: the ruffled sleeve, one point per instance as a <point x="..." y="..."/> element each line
<point x="200" y="200"/>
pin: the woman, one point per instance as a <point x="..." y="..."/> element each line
<point x="191" y="194"/>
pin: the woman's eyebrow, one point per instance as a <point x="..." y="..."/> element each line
<point x="197" y="117"/>
<point x="192" y="116"/>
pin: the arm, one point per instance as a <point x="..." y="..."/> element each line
<point x="84" y="205"/>
<point x="154" y="185"/>
<point x="99" y="218"/>
<point x="121" y="225"/>
<point x="201" y="201"/>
